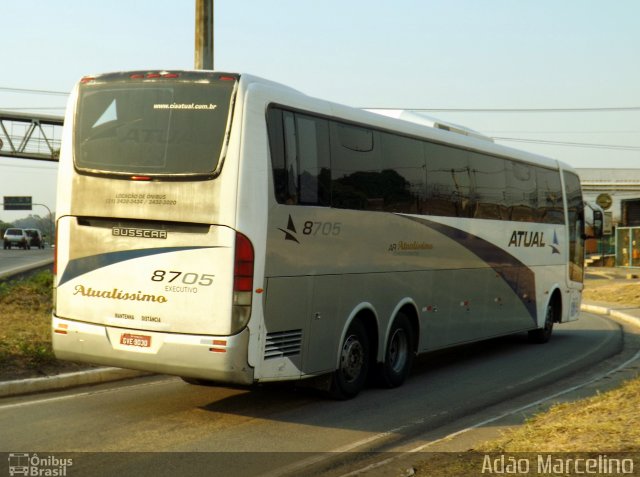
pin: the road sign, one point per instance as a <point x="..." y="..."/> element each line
<point x="17" y="202"/>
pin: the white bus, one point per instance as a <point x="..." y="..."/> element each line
<point x="224" y="228"/>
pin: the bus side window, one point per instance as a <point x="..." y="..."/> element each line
<point x="489" y="184"/>
<point x="550" y="207"/>
<point x="575" y="219"/>
<point x="356" y="180"/>
<point x="276" y="147"/>
<point x="403" y="174"/>
<point x="448" y="181"/>
<point x="313" y="160"/>
<point x="522" y="198"/>
<point x="290" y="157"/>
<point x="300" y="160"/>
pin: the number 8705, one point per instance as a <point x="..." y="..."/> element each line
<point x="188" y="278"/>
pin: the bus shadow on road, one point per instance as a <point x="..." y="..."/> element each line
<point x="443" y="386"/>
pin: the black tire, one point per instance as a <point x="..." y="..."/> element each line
<point x="399" y="354"/>
<point x="350" y="377"/>
<point x="543" y="335"/>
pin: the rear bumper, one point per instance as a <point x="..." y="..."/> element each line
<point x="222" y="359"/>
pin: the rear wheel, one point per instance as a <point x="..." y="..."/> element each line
<point x="351" y="375"/>
<point x="542" y="335"/>
<point x="399" y="354"/>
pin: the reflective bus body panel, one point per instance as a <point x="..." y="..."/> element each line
<point x="315" y="268"/>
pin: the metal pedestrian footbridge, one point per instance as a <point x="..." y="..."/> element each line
<point x="30" y="136"/>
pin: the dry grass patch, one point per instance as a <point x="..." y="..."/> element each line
<point x="608" y="422"/>
<point x="621" y="294"/>
<point x="25" y="329"/>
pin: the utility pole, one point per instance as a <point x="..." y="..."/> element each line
<point x="204" y="35"/>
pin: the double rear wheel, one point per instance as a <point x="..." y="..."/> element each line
<point x="356" y="359"/>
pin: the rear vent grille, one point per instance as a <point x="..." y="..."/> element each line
<point x="283" y="343"/>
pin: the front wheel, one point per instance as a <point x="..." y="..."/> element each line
<point x="542" y="335"/>
<point x="399" y="354"/>
<point x="350" y="377"/>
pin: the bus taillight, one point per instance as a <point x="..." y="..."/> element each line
<point x="242" y="282"/>
<point x="243" y="265"/>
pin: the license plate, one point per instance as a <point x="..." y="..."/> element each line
<point x="140" y="341"/>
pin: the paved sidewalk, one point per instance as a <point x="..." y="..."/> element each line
<point x="628" y="313"/>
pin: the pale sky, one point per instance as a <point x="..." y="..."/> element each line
<point x="411" y="54"/>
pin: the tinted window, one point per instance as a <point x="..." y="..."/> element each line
<point x="314" y="160"/>
<point x="448" y="181"/>
<point x="356" y="175"/>
<point x="152" y="127"/>
<point x="319" y="161"/>
<point x="405" y="170"/>
<point x="299" y="147"/>
<point x="550" y="207"/>
<point x="521" y="193"/>
<point x="489" y="186"/>
<point x="575" y="217"/>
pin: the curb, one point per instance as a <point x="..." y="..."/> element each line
<point x="603" y="310"/>
<point x="68" y="380"/>
<point x="23" y="269"/>
<point x="103" y="375"/>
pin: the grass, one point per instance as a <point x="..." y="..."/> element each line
<point x="25" y="324"/>
<point x="607" y="423"/>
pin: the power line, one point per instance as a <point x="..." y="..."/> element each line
<point x="34" y="109"/>
<point x="25" y="166"/>
<point x="33" y="91"/>
<point x="570" y="144"/>
<point x="518" y="110"/>
<point x="562" y="132"/>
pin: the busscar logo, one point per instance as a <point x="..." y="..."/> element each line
<point x="290" y="232"/>
<point x="140" y="233"/>
<point x="527" y="239"/>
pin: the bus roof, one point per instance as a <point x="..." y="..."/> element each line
<point x="403" y="122"/>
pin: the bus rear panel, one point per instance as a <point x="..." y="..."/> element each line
<point x="149" y="265"/>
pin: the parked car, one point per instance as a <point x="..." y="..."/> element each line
<point x="16" y="238"/>
<point x="35" y="237"/>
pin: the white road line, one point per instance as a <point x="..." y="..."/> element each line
<point x="493" y="419"/>
<point x="83" y="394"/>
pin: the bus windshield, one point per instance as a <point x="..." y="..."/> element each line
<point x="157" y="125"/>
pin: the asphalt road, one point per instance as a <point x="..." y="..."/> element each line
<point x="179" y="429"/>
<point x="17" y="260"/>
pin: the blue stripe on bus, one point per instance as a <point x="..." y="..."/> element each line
<point x="520" y="278"/>
<point x="80" y="266"/>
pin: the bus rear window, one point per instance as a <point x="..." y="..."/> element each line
<point x="153" y="127"/>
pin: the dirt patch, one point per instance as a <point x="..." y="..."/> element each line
<point x="619" y="292"/>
